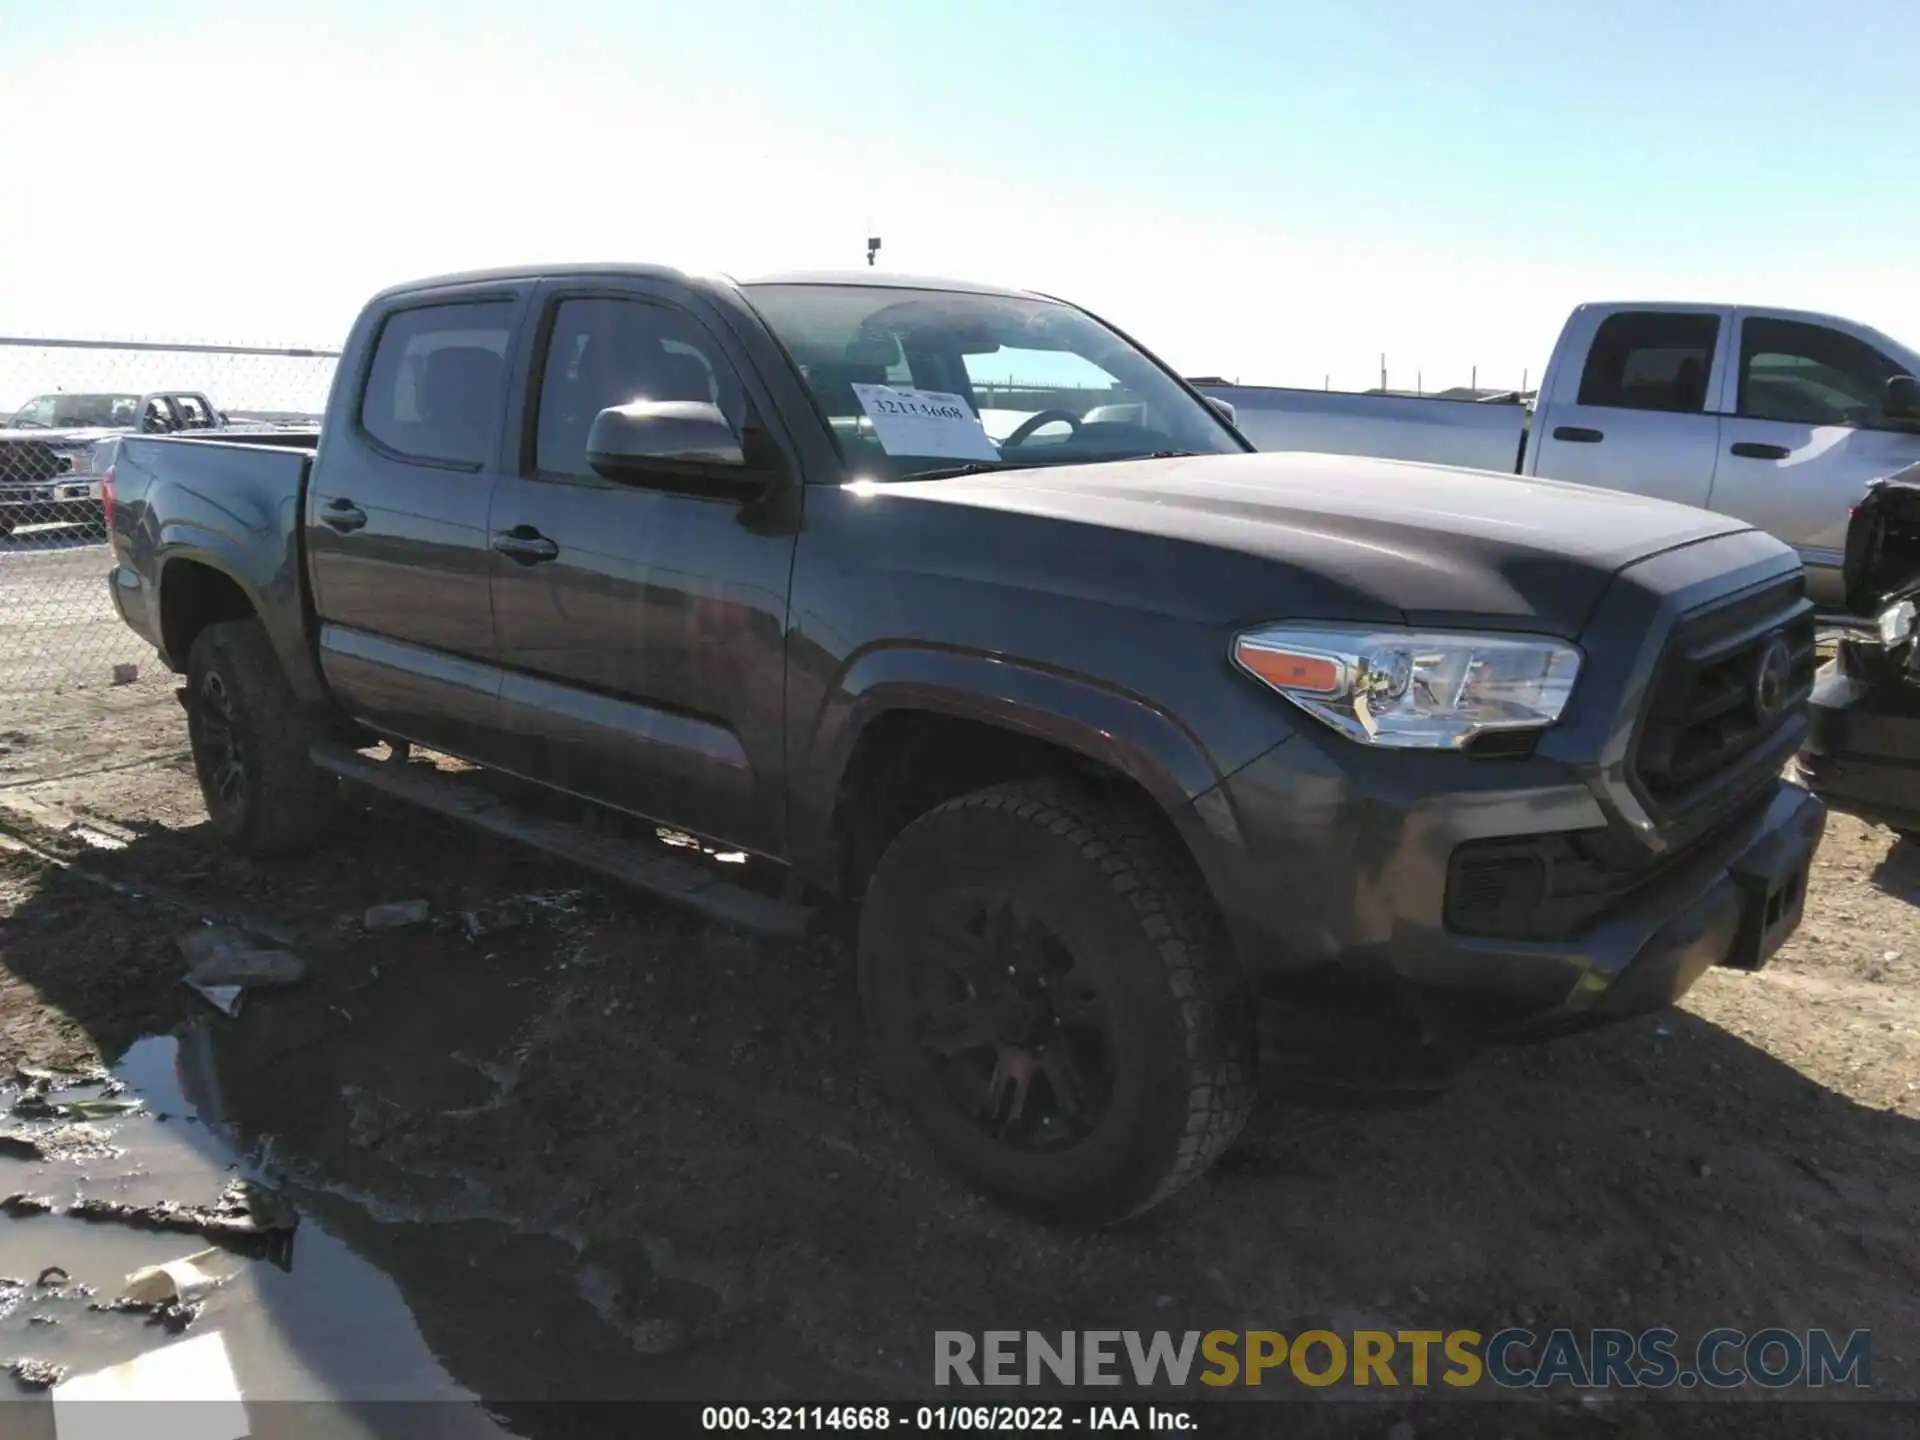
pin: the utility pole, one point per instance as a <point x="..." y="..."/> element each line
<point x="1383" y="369"/>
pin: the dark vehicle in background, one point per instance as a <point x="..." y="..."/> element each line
<point x="1112" y="727"/>
<point x="49" y="465"/>
<point x="1863" y="750"/>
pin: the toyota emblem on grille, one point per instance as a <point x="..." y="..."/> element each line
<point x="1771" y="678"/>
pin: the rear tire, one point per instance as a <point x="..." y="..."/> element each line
<point x="250" y="745"/>
<point x="1105" y="1053"/>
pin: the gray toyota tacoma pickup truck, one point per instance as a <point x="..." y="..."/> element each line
<point x="1111" y="727"/>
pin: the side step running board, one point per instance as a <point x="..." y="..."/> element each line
<point x="629" y="862"/>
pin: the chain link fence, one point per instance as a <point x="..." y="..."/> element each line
<point x="60" y="401"/>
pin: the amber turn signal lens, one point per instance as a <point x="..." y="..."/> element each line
<point x="1290" y="670"/>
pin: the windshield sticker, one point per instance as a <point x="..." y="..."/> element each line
<point x="925" y="422"/>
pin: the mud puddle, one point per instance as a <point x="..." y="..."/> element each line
<point x="314" y="1315"/>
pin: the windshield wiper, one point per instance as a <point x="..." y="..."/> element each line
<point x="989" y="467"/>
<point x="1120" y="459"/>
<point x="972" y="467"/>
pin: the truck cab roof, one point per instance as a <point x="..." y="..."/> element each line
<point x="886" y="279"/>
<point x="513" y="274"/>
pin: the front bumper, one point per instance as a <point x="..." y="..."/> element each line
<point x="1863" y="747"/>
<point x="50" y="501"/>
<point x="1335" y="890"/>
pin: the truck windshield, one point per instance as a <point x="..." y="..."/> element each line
<point x="923" y="382"/>
<point x="77" y="412"/>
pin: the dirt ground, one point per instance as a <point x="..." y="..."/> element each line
<point x="691" y="1114"/>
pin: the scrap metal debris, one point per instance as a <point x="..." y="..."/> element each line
<point x="518" y="910"/>
<point x="224" y="963"/>
<point x="397" y="914"/>
<point x="174" y="1315"/>
<point x="182" y="1279"/>
<point x="171" y="1294"/>
<point x="36" y="1374"/>
<point x="21" y="1147"/>
<point x="33" y="1077"/>
<point x="76" y="1141"/>
<point x="24" y="1204"/>
<point x="490" y="920"/>
<point x="224" y="998"/>
<point x="245" y="1215"/>
<point x="35" y="1106"/>
<point x="46" y="1277"/>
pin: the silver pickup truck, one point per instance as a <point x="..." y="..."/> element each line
<point x="49" y="462"/>
<point x="1779" y="418"/>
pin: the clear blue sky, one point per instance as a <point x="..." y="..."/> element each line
<point x="1373" y="175"/>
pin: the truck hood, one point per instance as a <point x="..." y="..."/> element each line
<point x="1439" y="545"/>
<point x="59" y="438"/>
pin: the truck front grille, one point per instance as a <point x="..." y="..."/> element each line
<point x="24" y="461"/>
<point x="1728" y="698"/>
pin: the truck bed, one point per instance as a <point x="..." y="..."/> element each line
<point x="232" y="504"/>
<point x="1482" y="435"/>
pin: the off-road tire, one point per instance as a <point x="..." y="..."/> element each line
<point x="285" y="803"/>
<point x="1119" y="893"/>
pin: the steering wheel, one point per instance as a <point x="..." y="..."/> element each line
<point x="1024" y="431"/>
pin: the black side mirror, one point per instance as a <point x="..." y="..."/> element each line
<point x="1903" y="398"/>
<point x="684" y="438"/>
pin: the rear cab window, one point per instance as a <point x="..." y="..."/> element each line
<point x="436" y="388"/>
<point x="1651" y="360"/>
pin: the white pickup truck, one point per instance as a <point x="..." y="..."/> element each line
<point x="1776" y="417"/>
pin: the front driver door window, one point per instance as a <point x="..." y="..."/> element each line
<point x="1805" y="374"/>
<point x="1810" y="430"/>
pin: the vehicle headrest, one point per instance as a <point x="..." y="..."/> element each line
<point x="834" y="385"/>
<point x="1690" y="385"/>
<point x="676" y="375"/>
<point x="456" y="379"/>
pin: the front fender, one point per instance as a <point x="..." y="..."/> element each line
<point x="1121" y="731"/>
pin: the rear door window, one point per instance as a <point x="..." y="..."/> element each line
<point x="437" y="386"/>
<point x="1811" y="375"/>
<point x="1651" y="360"/>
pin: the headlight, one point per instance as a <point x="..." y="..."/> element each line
<point x="1408" y="690"/>
<point x="1896" y="624"/>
